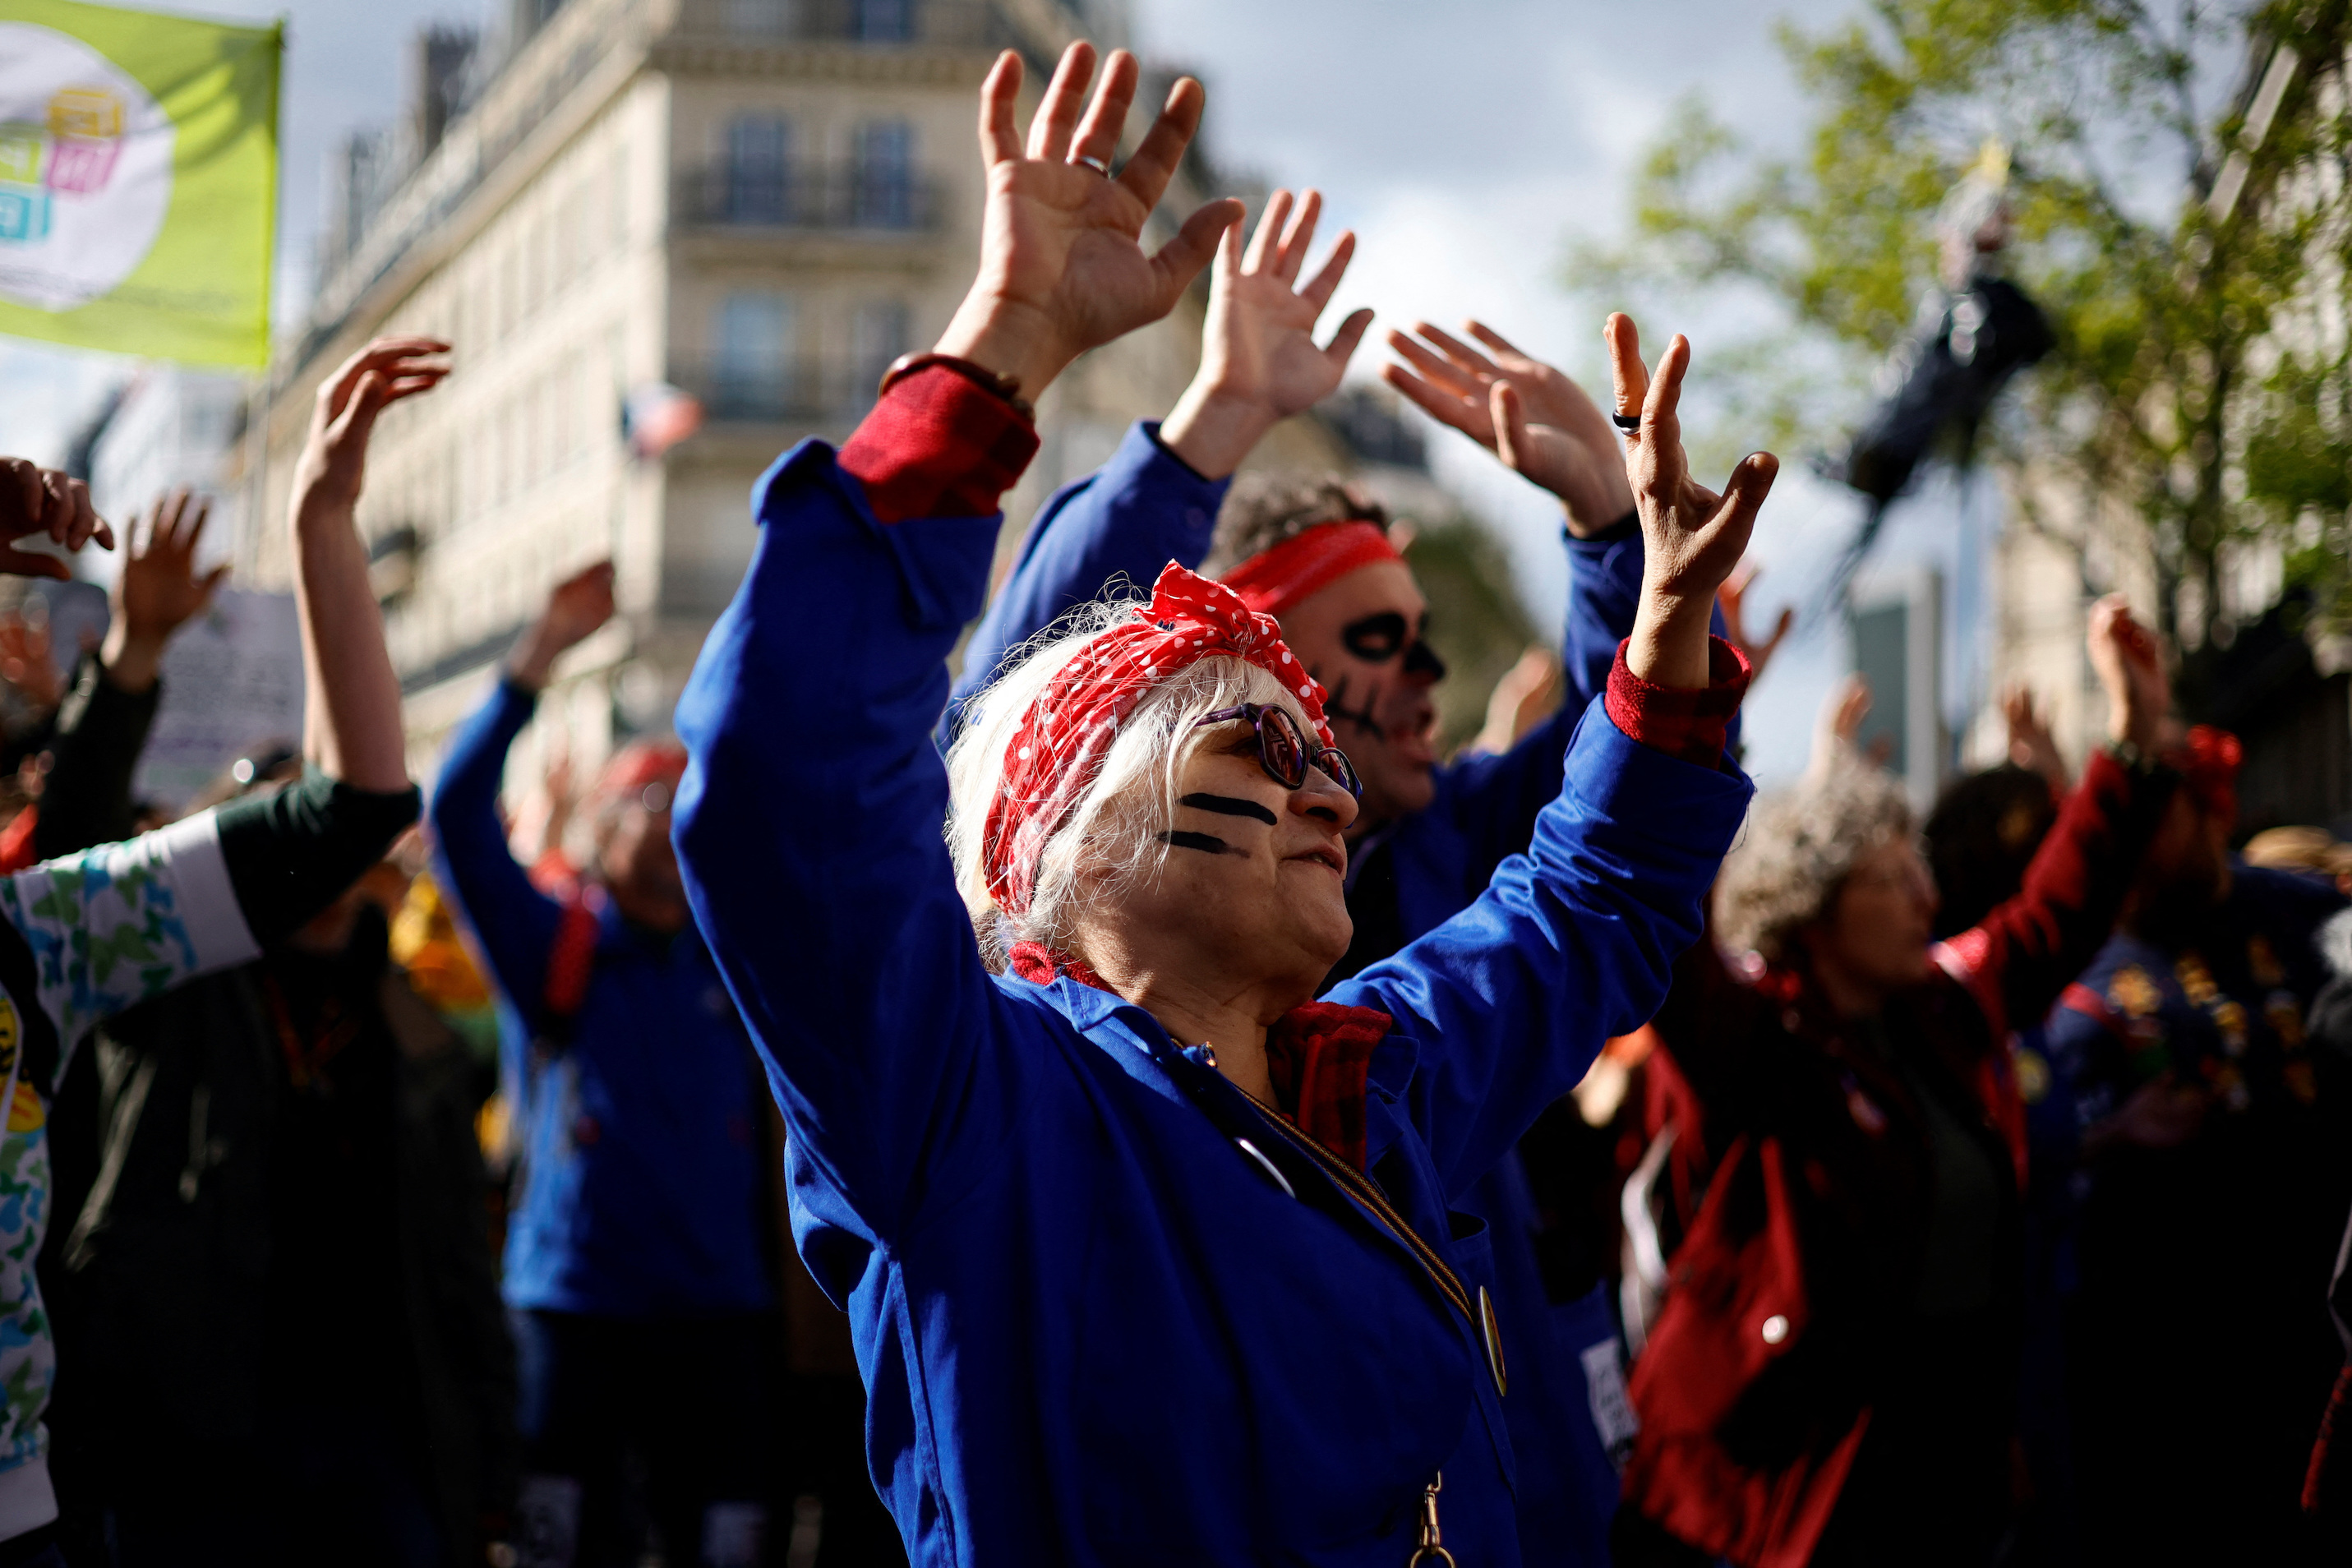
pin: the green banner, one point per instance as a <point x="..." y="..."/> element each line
<point x="138" y="181"/>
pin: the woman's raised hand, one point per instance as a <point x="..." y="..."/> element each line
<point x="1693" y="537"/>
<point x="1530" y="415"/>
<point x="1061" y="269"/>
<point x="2130" y="665"/>
<point x="1259" y="361"/>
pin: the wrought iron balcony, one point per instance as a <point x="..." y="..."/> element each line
<point x="959" y="22"/>
<point x="807" y="391"/>
<point x="808" y="198"/>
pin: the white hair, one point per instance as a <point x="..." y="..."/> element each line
<point x="1109" y="842"/>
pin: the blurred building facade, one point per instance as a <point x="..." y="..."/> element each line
<point x="168" y="426"/>
<point x="761" y="203"/>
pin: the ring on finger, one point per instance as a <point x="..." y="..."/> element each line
<point x="1099" y="165"/>
<point x="1628" y="422"/>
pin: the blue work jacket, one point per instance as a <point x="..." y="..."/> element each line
<point x="1094" y="1329"/>
<point x="643" y="1189"/>
<point x="1146" y="507"/>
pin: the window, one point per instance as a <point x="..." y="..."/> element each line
<point x="885" y="21"/>
<point x="885" y="180"/>
<point x="753" y="364"/>
<point x="759" y="17"/>
<point x="877" y="336"/>
<point x="758" y="170"/>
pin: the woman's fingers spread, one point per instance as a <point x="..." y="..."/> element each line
<point x="1510" y="416"/>
<point x="1180" y="259"/>
<point x="1297" y="235"/>
<point x="1494" y="340"/>
<point x="1229" y="253"/>
<point x="1447" y="407"/>
<point x="1663" y="402"/>
<point x="1269" y="232"/>
<point x="1106" y="116"/>
<point x="57" y="505"/>
<point x="1351" y="334"/>
<point x="85" y="517"/>
<point x="1000" y="134"/>
<point x="1318" y="290"/>
<point x="1744" y="492"/>
<point x="1147" y="173"/>
<point x="1066" y="95"/>
<point x="1457" y="351"/>
<point x="1440" y="371"/>
<point x="1629" y="378"/>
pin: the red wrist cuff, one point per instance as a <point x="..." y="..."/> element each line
<point x="1692" y="725"/>
<point x="937" y="445"/>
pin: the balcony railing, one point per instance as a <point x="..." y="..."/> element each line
<point x="793" y="392"/>
<point x="808" y="198"/>
<point x="839" y="21"/>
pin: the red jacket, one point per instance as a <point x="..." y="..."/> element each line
<point x="1754" y="1390"/>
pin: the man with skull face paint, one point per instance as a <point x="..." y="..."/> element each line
<point x="1318" y="558"/>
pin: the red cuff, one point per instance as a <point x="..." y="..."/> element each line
<point x="1692" y="725"/>
<point x="937" y="445"/>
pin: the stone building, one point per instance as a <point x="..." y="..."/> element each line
<point x="758" y="202"/>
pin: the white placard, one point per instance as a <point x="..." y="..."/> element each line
<point x="232" y="685"/>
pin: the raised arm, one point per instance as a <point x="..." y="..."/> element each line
<point x="513" y="921"/>
<point x="2019" y="959"/>
<point x="1542" y="426"/>
<point x="351" y="729"/>
<point x="1156" y="500"/>
<point x="808" y="822"/>
<point x="101" y="930"/>
<point x="1575" y="940"/>
<point x="102" y="725"/>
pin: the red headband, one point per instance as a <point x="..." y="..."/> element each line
<point x="639" y="763"/>
<point x="1274" y="580"/>
<point x="1058" y="750"/>
<point x="2208" y="763"/>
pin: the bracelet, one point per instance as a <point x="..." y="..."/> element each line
<point x="2130" y="758"/>
<point x="1004" y="387"/>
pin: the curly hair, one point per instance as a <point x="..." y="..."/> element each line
<point x="1798" y="846"/>
<point x="1264" y="510"/>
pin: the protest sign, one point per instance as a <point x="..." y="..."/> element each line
<point x="232" y="686"/>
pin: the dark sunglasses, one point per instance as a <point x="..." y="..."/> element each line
<point x="1283" y="749"/>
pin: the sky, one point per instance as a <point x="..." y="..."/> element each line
<point x="1468" y="144"/>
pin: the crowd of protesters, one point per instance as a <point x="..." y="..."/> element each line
<point x="1105" y="1090"/>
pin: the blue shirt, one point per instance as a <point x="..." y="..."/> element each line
<point x="1146" y="507"/>
<point x="1093" y="1329"/>
<point x="640" y="1172"/>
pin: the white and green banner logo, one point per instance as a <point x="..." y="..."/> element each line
<point x="138" y="181"/>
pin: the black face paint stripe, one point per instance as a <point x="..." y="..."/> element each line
<point x="1375" y="638"/>
<point x="1365" y="717"/>
<point x="1228" y="805"/>
<point x="1206" y="843"/>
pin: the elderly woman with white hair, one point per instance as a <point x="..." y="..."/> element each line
<point x="1149" y="1256"/>
<point x="1831" y="1378"/>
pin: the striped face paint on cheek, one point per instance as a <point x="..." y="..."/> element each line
<point x="1206" y="843"/>
<point x="1228" y="805"/>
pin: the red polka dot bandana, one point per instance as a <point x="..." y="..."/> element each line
<point x="1057" y="752"/>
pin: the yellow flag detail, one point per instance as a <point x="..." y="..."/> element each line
<point x="138" y="181"/>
